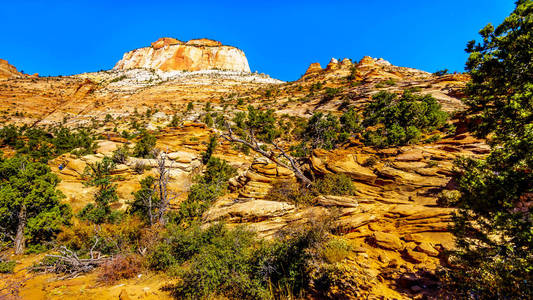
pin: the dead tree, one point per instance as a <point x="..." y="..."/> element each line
<point x="254" y="145"/>
<point x="70" y="264"/>
<point x="165" y="196"/>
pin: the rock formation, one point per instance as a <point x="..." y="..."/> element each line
<point x="169" y="54"/>
<point x="7" y="70"/>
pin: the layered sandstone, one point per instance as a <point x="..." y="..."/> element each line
<point x="168" y="54"/>
<point x="7" y="70"/>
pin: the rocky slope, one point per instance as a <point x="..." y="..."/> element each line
<point x="168" y="54"/>
<point x="397" y="230"/>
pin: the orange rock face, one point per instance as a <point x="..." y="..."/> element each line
<point x="162" y="42"/>
<point x="314" y="67"/>
<point x="7" y="70"/>
<point x="169" y="54"/>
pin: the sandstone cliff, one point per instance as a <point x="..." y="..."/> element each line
<point x="7" y="70"/>
<point x="168" y="54"/>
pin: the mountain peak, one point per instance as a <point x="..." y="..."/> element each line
<point x="170" y="54"/>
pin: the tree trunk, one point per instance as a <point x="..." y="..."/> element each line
<point x="19" y="238"/>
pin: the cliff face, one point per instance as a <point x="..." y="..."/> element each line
<point x="168" y="54"/>
<point x="7" y="70"/>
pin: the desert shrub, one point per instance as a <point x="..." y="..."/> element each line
<point x="208" y="120"/>
<point x="179" y="244"/>
<point x="350" y="121"/>
<point x="370" y="162"/>
<point x="390" y="82"/>
<point x="340" y="281"/>
<point x="401" y="121"/>
<point x="98" y="174"/>
<point x="65" y="140"/>
<point x="220" y="121"/>
<point x="145" y="202"/>
<point x="448" y="198"/>
<point x="290" y="191"/>
<point x="207" y="188"/>
<point x="262" y="124"/>
<point x="326" y="131"/>
<point x="161" y="257"/>
<point x="323" y="131"/>
<point x="210" y="149"/>
<point x="335" y="250"/>
<point x="120" y="267"/>
<point x="330" y="93"/>
<point x="300" y="150"/>
<point x="222" y="267"/>
<point x="284" y="264"/>
<point x="145" y="145"/>
<point x="7" y="266"/>
<point x="108" y="239"/>
<point x="175" y="122"/>
<point x="441" y="72"/>
<point x="10" y="136"/>
<point x="139" y="167"/>
<point x="335" y="184"/>
<point x="120" y="155"/>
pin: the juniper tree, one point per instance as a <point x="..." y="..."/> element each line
<point x="31" y="211"/>
<point x="494" y="225"/>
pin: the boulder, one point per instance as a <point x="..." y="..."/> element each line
<point x="427" y="248"/>
<point x="252" y="210"/>
<point x="415" y="257"/>
<point x="387" y="241"/>
<point x="339" y="201"/>
<point x="341" y="163"/>
<point x="413" y="155"/>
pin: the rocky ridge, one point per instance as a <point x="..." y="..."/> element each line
<point x="168" y="54"/>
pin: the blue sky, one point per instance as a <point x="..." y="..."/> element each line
<point x="280" y="38"/>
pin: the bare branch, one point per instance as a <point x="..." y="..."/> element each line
<point x="254" y="145"/>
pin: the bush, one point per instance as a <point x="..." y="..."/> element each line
<point x="30" y="188"/>
<point x="175" y="122"/>
<point x="98" y="174"/>
<point x="120" y="267"/>
<point x="284" y="264"/>
<point x="108" y="239"/>
<point x="401" y="121"/>
<point x="120" y="155"/>
<point x="335" y="250"/>
<point x="145" y="202"/>
<point x="139" y="167"/>
<point x="145" y="145"/>
<point x="210" y="149"/>
<point x="222" y="267"/>
<point x="323" y="131"/>
<point x="290" y="191"/>
<point x="448" y="198"/>
<point x="179" y="244"/>
<point x="203" y="193"/>
<point x="335" y="184"/>
<point x="262" y="123"/>
<point x="7" y="266"/>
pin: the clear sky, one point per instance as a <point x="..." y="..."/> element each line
<point x="280" y="38"/>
